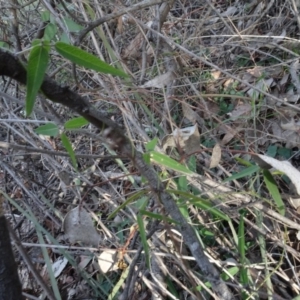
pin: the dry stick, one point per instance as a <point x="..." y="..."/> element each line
<point x="10" y="66"/>
<point x="31" y="267"/>
<point x="31" y="150"/>
<point x="10" y="286"/>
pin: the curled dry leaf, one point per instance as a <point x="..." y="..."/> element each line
<point x="78" y="227"/>
<point x="190" y="114"/>
<point x="263" y="84"/>
<point x="285" y="167"/>
<point x="240" y="111"/>
<point x="187" y="139"/>
<point x="107" y="261"/>
<point x="160" y="81"/>
<point x="257" y="71"/>
<point x="216" y="156"/>
<point x="290" y="125"/>
<point x="59" y="265"/>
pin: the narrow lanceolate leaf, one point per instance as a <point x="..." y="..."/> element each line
<point x="241" y="246"/>
<point x="168" y="162"/>
<point x="76" y="123"/>
<point x="143" y="236"/>
<point x="85" y="59"/>
<point x="36" y="68"/>
<point x="273" y="189"/>
<point x="67" y="144"/>
<point x="246" y="172"/>
<point x="49" y="129"/>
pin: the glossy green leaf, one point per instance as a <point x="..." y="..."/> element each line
<point x="36" y="68"/>
<point x="49" y="129"/>
<point x="67" y="144"/>
<point x="76" y="123"/>
<point x="85" y="59"/>
<point x="273" y="189"/>
<point x="246" y="172"/>
<point x="168" y="162"/>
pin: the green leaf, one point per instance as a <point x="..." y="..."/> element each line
<point x="182" y="184"/>
<point x="76" y="123"/>
<point x="192" y="163"/>
<point x="67" y="144"/>
<point x="284" y="152"/>
<point x="273" y="189"/>
<point x="241" y="246"/>
<point x="36" y="68"/>
<point x="272" y="151"/>
<point x="199" y="202"/>
<point x="50" y="32"/>
<point x="246" y="172"/>
<point x="45" y="16"/>
<point x="72" y="26"/>
<point x="232" y="271"/>
<point x="157" y="216"/>
<point x="146" y="157"/>
<point x="168" y="162"/>
<point x="143" y="235"/>
<point x="49" y="129"/>
<point x="243" y="162"/>
<point x="64" y="38"/>
<point x="134" y="197"/>
<point x="151" y="145"/>
<point x="86" y="59"/>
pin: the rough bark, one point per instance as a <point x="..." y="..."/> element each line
<point x="10" y="286"/>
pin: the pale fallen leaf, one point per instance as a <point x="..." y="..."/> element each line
<point x="59" y="265"/>
<point x="132" y="51"/>
<point x="160" y="81"/>
<point x="107" y="261"/>
<point x="241" y="110"/>
<point x="187" y="139"/>
<point x="290" y="125"/>
<point x="230" y="133"/>
<point x="231" y="10"/>
<point x="84" y="261"/>
<point x="228" y="82"/>
<point x="79" y="227"/>
<point x="215" y="156"/>
<point x="190" y="114"/>
<point x="291" y="138"/>
<point x="284" y="80"/>
<point x="257" y="71"/>
<point x="216" y="74"/>
<point x="285" y="167"/>
<point x="263" y="84"/>
<point x="295" y="202"/>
